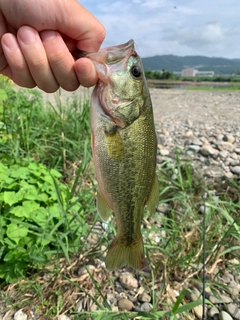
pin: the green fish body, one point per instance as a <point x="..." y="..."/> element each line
<point x="124" y="149"/>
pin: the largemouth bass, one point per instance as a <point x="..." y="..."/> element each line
<point x="124" y="149"/>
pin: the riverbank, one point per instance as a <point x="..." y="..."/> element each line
<point x="171" y="84"/>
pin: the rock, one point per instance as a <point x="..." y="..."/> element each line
<point x="154" y="237"/>
<point x="235" y="156"/>
<point x="228" y="137"/>
<point x="20" y="315"/>
<point x="118" y="287"/>
<point x="125" y="304"/>
<point x="233" y="288"/>
<point x="226" y="146"/>
<point x="64" y="317"/>
<point x="229" y="175"/>
<point x="234" y="262"/>
<point x="235" y="169"/>
<point x="233" y="310"/>
<point x="207" y="150"/>
<point x="85" y="269"/>
<point x="193" y="294"/>
<point x="213" y="311"/>
<point x="220" y="299"/>
<point x="197" y="142"/>
<point x="164" y="152"/>
<point x="144" y="297"/>
<point x="194" y="147"/>
<point x="204" y="209"/>
<point x="198" y="311"/>
<point x="224" y="316"/>
<point x="189" y="123"/>
<point x="111" y="298"/>
<point x="93" y="307"/>
<point x="128" y="281"/>
<point x="146" y="307"/>
<point x="223" y="154"/>
<point x="162" y="139"/>
<point x="163" y="207"/>
<point x="234" y="162"/>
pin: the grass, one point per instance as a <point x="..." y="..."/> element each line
<point x="58" y="137"/>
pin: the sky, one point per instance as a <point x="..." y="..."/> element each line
<point x="180" y="27"/>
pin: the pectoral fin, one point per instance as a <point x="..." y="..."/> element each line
<point x="153" y="199"/>
<point x="102" y="207"/>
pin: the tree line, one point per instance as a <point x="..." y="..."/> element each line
<point x="168" y="75"/>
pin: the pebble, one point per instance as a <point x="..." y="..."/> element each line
<point x="220" y="299"/>
<point x="198" y="310"/>
<point x="233" y="310"/>
<point x="164" y="152"/>
<point x="235" y="169"/>
<point x="226" y="146"/>
<point x="86" y="270"/>
<point x="193" y="294"/>
<point x="125" y="304"/>
<point x="20" y="315"/>
<point x="128" y="281"/>
<point x="64" y="317"/>
<point x="229" y="175"/>
<point x="144" y="297"/>
<point x="228" y="137"/>
<point x="207" y="150"/>
<point x="223" y="154"/>
<point x="194" y="147"/>
<point x="163" y="207"/>
<point x="204" y="209"/>
<point x="146" y="307"/>
<point x="225" y="316"/>
<point x="213" y="311"/>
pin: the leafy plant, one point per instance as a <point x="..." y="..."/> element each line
<point x="39" y="218"/>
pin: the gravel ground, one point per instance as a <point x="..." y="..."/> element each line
<point x="206" y="126"/>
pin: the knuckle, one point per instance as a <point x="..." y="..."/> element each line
<point x="56" y="57"/>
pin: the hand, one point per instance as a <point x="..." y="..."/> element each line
<point x="38" y="37"/>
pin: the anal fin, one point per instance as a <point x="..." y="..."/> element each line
<point x="153" y="198"/>
<point x="103" y="208"/>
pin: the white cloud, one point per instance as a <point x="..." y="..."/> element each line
<point x="181" y="27"/>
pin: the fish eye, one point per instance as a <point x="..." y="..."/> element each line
<point x="136" y="72"/>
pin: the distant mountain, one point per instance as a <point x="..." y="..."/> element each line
<point x="201" y="63"/>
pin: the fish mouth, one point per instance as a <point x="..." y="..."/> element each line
<point x="112" y="55"/>
<point x="118" y="48"/>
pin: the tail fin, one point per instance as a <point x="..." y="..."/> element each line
<point x="120" y="254"/>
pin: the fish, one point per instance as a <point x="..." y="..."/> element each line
<point x="124" y="148"/>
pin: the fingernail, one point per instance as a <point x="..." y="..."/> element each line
<point x="48" y="35"/>
<point x="10" y="42"/>
<point x="27" y="35"/>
